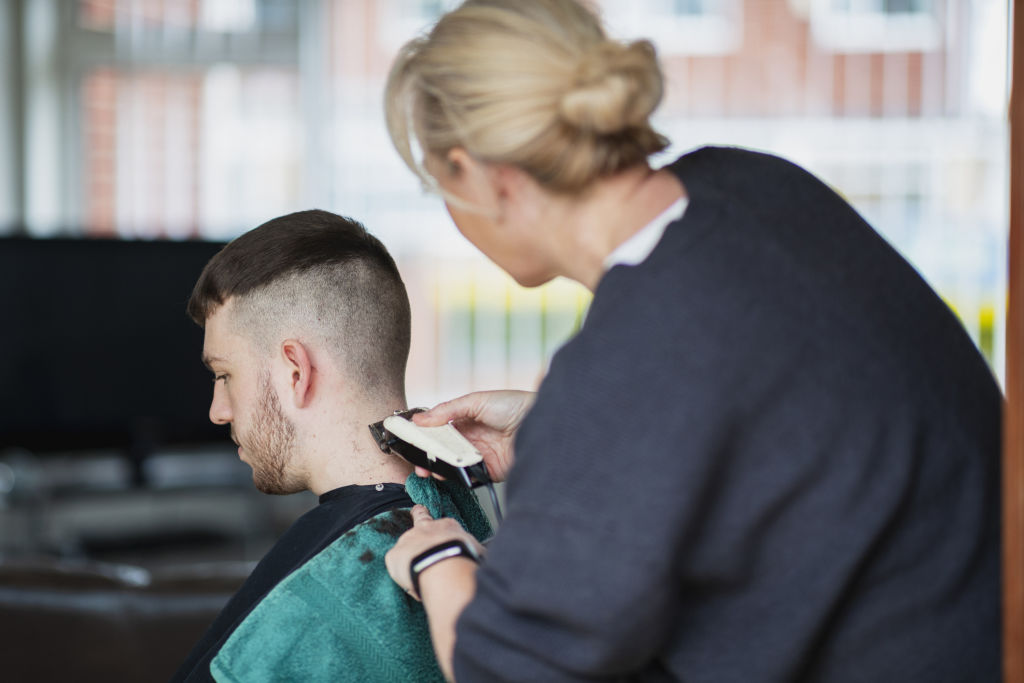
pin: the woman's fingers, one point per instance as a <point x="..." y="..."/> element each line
<point x="420" y="514"/>
<point x="461" y="408"/>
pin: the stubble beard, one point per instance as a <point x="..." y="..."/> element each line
<point x="270" y="444"/>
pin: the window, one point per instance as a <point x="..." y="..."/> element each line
<point x="397" y="21"/>
<point x="876" y="25"/>
<point x="175" y="118"/>
<point x="679" y="27"/>
<point x="11" y="182"/>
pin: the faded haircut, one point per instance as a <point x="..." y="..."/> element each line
<point x="320" y="274"/>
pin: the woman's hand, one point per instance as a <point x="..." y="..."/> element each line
<point x="489" y="419"/>
<point x="426" y="532"/>
<point x="446" y="587"/>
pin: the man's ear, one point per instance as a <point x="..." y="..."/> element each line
<point x="299" y="364"/>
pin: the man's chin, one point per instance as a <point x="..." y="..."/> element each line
<point x="273" y="486"/>
<point x="269" y="489"/>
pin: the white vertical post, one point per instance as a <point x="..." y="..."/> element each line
<point x="45" y="199"/>
<point x="314" y="56"/>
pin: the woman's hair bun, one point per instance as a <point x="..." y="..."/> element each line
<point x="535" y="84"/>
<point x="614" y="87"/>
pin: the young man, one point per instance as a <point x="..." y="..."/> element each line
<point x="307" y="334"/>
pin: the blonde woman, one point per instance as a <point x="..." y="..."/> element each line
<point x="770" y="454"/>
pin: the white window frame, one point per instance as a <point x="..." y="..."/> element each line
<point x="865" y="27"/>
<point x="718" y="30"/>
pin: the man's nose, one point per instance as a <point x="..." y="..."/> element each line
<point x="220" y="407"/>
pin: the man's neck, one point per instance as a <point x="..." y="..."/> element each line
<point x="344" y="452"/>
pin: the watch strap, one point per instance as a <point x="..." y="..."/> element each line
<point x="438" y="553"/>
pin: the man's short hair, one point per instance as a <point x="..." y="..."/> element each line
<point x="320" y="274"/>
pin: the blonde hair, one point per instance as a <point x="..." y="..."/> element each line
<point x="532" y="83"/>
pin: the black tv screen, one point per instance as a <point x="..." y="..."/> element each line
<point x="96" y="348"/>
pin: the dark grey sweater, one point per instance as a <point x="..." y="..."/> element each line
<point x="771" y="454"/>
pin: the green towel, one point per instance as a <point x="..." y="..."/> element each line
<point x="340" y="617"/>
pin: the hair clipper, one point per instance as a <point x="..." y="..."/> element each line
<point x="441" y="450"/>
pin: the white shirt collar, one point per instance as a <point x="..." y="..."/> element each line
<point x="640" y="245"/>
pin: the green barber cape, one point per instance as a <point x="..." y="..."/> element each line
<point x="340" y="617"/>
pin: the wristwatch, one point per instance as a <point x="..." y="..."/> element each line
<point x="438" y="553"/>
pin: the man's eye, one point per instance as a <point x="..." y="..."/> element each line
<point x="217" y="378"/>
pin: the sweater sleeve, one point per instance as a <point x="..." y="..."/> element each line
<point x="581" y="581"/>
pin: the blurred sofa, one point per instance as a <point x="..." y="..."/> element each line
<point x="87" y="621"/>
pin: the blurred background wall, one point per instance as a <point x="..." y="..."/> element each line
<point x="195" y="120"/>
<point x="203" y="118"/>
